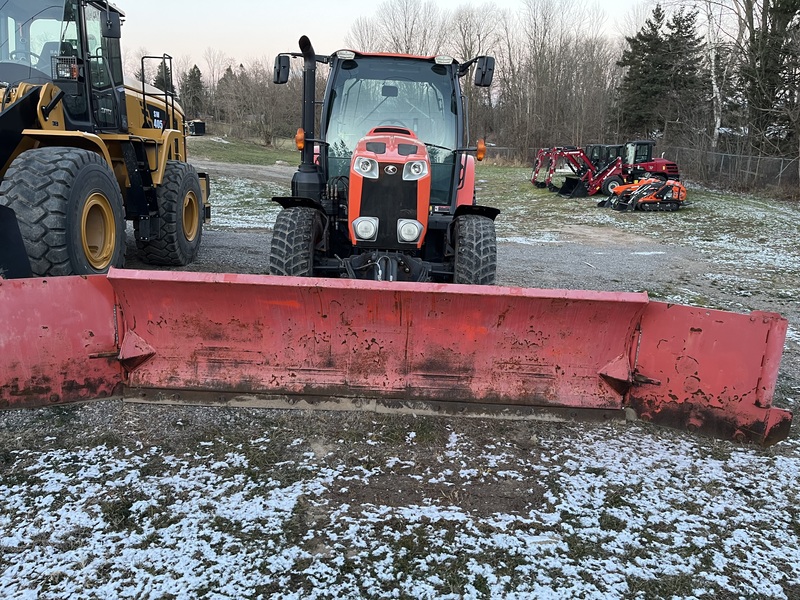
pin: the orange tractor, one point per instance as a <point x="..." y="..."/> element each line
<point x="389" y="192"/>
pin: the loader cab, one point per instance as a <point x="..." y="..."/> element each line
<point x="421" y="95"/>
<point x="76" y="45"/>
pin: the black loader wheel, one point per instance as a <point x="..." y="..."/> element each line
<point x="297" y="232"/>
<point x="180" y="211"/>
<point x="476" y="250"/>
<point x="610" y="184"/>
<point x="69" y="208"/>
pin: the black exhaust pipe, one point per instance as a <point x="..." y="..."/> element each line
<point x="309" y="180"/>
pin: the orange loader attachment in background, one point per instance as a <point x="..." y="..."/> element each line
<point x="253" y="339"/>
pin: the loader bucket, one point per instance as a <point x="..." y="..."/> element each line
<point x="574" y="187"/>
<point x="277" y="341"/>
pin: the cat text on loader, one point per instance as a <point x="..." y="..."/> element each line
<point x="389" y="192"/>
<point x="81" y="150"/>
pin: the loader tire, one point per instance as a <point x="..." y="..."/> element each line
<point x="297" y="232"/>
<point x="476" y="250"/>
<point x="69" y="209"/>
<point x="610" y="184"/>
<point x="180" y="212"/>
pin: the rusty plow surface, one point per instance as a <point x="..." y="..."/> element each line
<point x="200" y="337"/>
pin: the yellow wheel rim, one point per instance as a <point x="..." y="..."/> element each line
<point x="191" y="216"/>
<point x="98" y="231"/>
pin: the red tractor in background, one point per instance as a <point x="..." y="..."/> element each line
<point x="390" y="193"/>
<point x="590" y="176"/>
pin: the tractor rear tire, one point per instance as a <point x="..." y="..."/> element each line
<point x="610" y="184"/>
<point x="297" y="231"/>
<point x="69" y="209"/>
<point x="180" y="212"/>
<point x="476" y="250"/>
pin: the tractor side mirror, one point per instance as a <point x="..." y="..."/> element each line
<point x="484" y="71"/>
<point x="280" y="74"/>
<point x="112" y="26"/>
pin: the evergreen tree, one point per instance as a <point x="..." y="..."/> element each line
<point x="643" y="82"/>
<point x="163" y="78"/>
<point x="192" y="92"/>
<point x="663" y="82"/>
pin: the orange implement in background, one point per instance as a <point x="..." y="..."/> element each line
<point x="653" y="194"/>
<point x="202" y="337"/>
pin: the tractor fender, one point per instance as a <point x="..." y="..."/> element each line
<point x="476" y="209"/>
<point x="292" y="201"/>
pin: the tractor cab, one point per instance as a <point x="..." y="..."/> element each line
<point x="638" y="163"/>
<point x="390" y="95"/>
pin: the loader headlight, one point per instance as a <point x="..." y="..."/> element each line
<point x="366" y="167"/>
<point x="366" y="228"/>
<point x="408" y="230"/>
<point x="414" y="170"/>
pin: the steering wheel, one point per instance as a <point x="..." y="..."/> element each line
<point x="22" y="55"/>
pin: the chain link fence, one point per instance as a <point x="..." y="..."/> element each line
<point x="734" y="171"/>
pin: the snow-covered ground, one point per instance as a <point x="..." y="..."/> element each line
<point x="111" y="500"/>
<point x="353" y="506"/>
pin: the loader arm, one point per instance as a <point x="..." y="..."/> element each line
<point x="252" y="339"/>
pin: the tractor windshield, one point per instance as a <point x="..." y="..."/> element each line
<point x="411" y="93"/>
<point x="381" y="90"/>
<point x="31" y="33"/>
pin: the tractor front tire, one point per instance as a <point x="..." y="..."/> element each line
<point x="180" y="212"/>
<point x="610" y="184"/>
<point x="475" y="250"/>
<point x="297" y="231"/>
<point x="69" y="209"/>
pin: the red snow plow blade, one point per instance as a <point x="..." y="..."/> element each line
<point x="200" y="338"/>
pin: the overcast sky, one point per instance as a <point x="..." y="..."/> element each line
<point x="246" y="29"/>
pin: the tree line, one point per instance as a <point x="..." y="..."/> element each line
<point x="709" y="74"/>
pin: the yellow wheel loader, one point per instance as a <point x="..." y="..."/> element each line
<point x="82" y="150"/>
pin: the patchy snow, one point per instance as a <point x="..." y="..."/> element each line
<point x="603" y="512"/>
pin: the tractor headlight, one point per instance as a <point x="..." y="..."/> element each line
<point x="366" y="228"/>
<point x="366" y="167"/>
<point x="414" y="170"/>
<point x="408" y="230"/>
